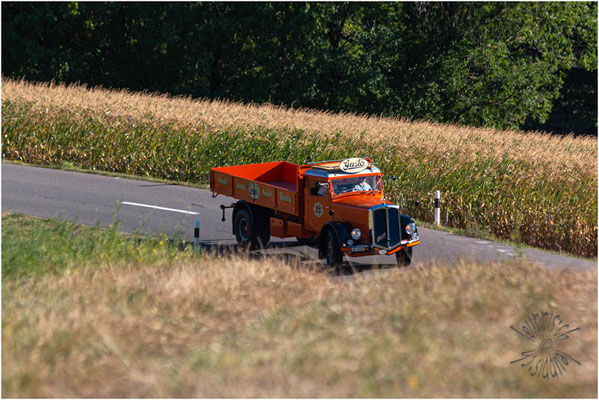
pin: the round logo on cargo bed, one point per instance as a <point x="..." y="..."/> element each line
<point x="254" y="190"/>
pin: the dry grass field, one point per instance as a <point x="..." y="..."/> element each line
<point x="239" y="328"/>
<point x="532" y="188"/>
<point x="95" y="314"/>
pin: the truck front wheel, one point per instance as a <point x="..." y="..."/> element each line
<point x="333" y="254"/>
<point x="404" y="256"/>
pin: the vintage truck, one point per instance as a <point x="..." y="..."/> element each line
<point x="339" y="206"/>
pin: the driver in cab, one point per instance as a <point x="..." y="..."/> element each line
<point x="362" y="185"/>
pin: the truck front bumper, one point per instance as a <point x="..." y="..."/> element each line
<point x="368" y="250"/>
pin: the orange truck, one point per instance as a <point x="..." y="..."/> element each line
<point x="339" y="206"/>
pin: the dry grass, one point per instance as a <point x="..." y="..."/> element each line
<point x="239" y="328"/>
<point x="563" y="153"/>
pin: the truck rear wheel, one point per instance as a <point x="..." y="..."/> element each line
<point x="249" y="233"/>
<point x="404" y="256"/>
<point x="332" y="253"/>
<point x="244" y="230"/>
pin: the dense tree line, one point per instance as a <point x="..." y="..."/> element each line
<point x="505" y="65"/>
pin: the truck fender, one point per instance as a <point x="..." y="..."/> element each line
<point x="403" y="221"/>
<point x="340" y="231"/>
<point x="239" y="205"/>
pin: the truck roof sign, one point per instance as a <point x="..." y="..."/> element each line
<point x="353" y="165"/>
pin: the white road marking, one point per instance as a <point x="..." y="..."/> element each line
<point x="481" y="242"/>
<point x="160" y="208"/>
<point x="503" y="251"/>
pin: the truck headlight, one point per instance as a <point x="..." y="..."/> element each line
<point x="356" y="233"/>
<point x="411" y="228"/>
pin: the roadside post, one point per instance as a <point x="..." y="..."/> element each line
<point x="196" y="236"/>
<point x="437" y="207"/>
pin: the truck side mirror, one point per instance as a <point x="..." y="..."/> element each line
<point x="317" y="187"/>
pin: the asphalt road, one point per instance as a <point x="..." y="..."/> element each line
<point x="154" y="208"/>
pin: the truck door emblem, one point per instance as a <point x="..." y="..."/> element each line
<point x="254" y="190"/>
<point x="318" y="210"/>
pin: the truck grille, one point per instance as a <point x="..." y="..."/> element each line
<point x="385" y="226"/>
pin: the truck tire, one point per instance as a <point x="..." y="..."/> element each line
<point x="404" y="257"/>
<point x="252" y="233"/>
<point x="332" y="253"/>
<point x="245" y="230"/>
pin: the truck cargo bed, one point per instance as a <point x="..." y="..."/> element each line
<point x="273" y="185"/>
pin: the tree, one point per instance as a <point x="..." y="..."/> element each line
<point x="488" y="64"/>
<point x="503" y="65"/>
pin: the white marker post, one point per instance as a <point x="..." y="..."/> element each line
<point x="196" y="236"/>
<point x="437" y="207"/>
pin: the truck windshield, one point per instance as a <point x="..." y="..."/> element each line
<point x="356" y="184"/>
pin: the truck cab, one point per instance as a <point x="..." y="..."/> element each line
<point x="353" y="217"/>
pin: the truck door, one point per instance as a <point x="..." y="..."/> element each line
<point x="317" y="204"/>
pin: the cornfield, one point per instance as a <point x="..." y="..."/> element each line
<point x="531" y="188"/>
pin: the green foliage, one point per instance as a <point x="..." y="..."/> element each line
<point x="486" y="64"/>
<point x="505" y="196"/>
<point x="33" y="247"/>
<point x="575" y="108"/>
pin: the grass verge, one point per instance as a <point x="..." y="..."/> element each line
<point x="35" y="247"/>
<point x="125" y="325"/>
<point x="484" y="234"/>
